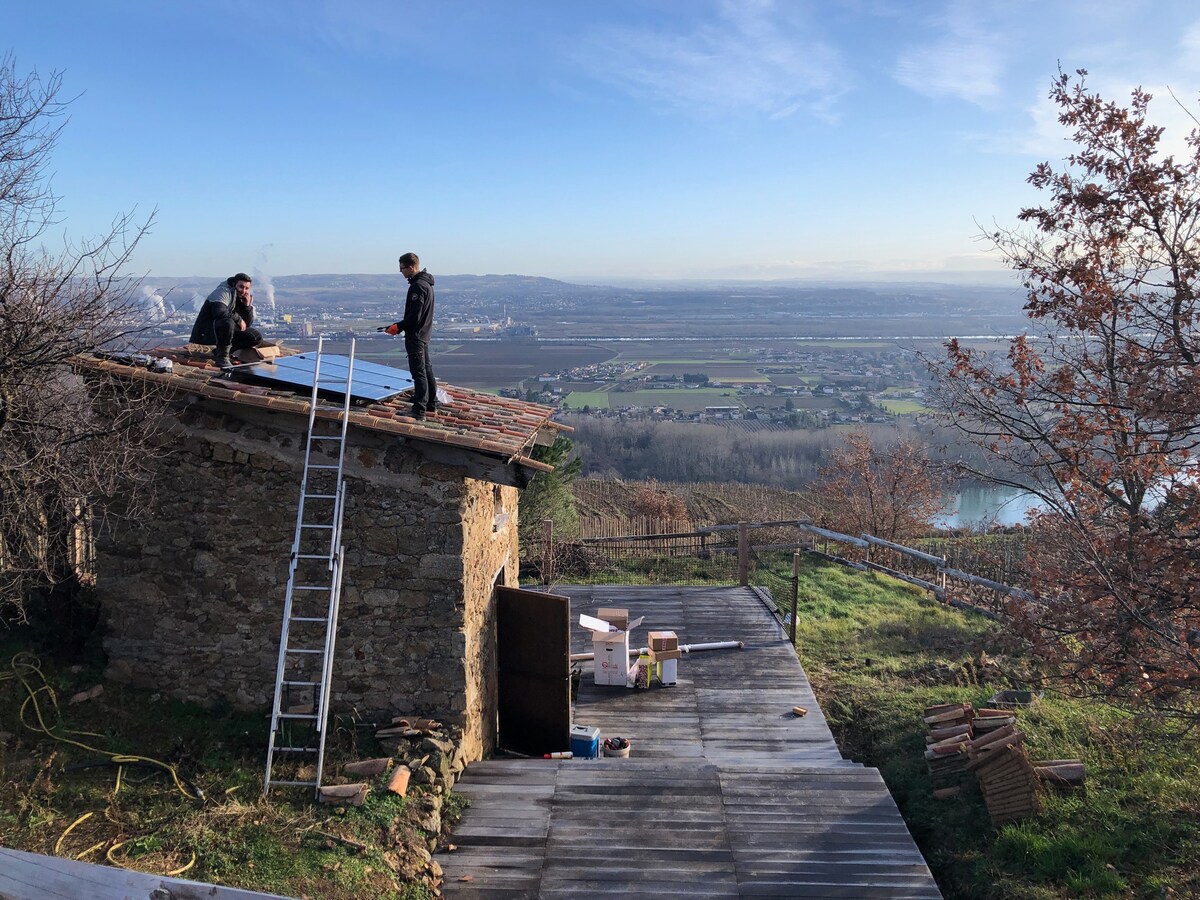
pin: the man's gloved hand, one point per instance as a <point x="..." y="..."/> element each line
<point x="394" y="328"/>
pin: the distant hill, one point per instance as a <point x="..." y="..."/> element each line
<point x="738" y="309"/>
<point x="339" y="290"/>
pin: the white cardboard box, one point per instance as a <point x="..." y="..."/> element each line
<point x="610" y="657"/>
<point x="610" y="650"/>
<point x="668" y="672"/>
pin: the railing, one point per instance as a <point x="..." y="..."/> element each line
<point x="767" y="555"/>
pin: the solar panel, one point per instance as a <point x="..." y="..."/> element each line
<point x="371" y="381"/>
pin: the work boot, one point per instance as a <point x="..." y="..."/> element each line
<point x="221" y="358"/>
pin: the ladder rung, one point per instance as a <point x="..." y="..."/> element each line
<point x="297" y="750"/>
<point x="302" y="683"/>
<point x="312" y="587"/>
<point x="320" y="496"/>
<point x="317" y="652"/>
<point x="297" y="715"/>
<point x="326" y="437"/>
<point x="313" y="556"/>
<point x="322" y="467"/>
<point x="275" y="783"/>
<point x="309" y="619"/>
<point x="325" y="527"/>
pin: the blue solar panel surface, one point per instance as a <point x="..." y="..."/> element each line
<point x="371" y="381"/>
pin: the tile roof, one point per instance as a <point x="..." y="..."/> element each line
<point x="472" y="420"/>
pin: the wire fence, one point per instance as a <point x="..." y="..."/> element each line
<point x="965" y="572"/>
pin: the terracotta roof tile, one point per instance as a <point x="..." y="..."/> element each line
<point x="472" y="420"/>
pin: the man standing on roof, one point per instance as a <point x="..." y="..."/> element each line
<point x="225" y="319"/>
<point x="417" y="325"/>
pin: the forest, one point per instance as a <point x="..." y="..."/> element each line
<point x="639" y="449"/>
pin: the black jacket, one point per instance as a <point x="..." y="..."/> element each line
<point x="418" y="307"/>
<point x="222" y="304"/>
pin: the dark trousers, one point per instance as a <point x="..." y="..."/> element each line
<point x="424" y="385"/>
<point x="230" y="337"/>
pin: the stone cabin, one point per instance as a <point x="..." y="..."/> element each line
<point x="193" y="594"/>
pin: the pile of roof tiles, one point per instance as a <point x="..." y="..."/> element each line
<point x="987" y="743"/>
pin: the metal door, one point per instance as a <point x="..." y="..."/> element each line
<point x="533" y="662"/>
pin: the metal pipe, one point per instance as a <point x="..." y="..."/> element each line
<point x="683" y="648"/>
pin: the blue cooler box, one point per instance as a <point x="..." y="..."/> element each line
<point x="585" y="741"/>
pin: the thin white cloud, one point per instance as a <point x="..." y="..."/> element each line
<point x="756" y="56"/>
<point x="1048" y="138"/>
<point x="965" y="62"/>
<point x="1189" y="48"/>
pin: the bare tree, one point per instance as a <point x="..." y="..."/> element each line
<point x="70" y="447"/>
<point x="1100" y="413"/>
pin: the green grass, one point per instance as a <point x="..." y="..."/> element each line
<point x="879" y="652"/>
<point x="580" y="399"/>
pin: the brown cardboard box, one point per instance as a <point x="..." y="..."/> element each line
<point x="662" y="640"/>
<point x="663" y="655"/>
<point x="264" y="352"/>
<point x="614" y="616"/>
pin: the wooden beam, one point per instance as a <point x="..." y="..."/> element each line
<point x="987" y="583"/>
<point x="938" y="561"/>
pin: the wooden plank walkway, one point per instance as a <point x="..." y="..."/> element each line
<point x="31" y="876"/>
<point x="726" y="793"/>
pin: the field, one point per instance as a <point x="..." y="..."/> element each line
<point x="485" y="364"/>
<point x="715" y="370"/>
<point x="587" y="373"/>
<point x="580" y="399"/>
<point x="903" y="407"/>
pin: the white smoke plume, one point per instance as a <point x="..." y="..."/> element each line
<point x="262" y="281"/>
<point x="197" y="301"/>
<point x="153" y="302"/>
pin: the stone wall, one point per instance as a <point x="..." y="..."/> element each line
<point x="194" y="594"/>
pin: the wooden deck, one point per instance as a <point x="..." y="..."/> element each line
<point x="725" y="794"/>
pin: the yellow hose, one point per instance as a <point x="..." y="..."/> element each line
<point x="90" y="850"/>
<point x="183" y="869"/>
<point x="24" y="665"/>
<point x="19" y="670"/>
<point x="62" y="837"/>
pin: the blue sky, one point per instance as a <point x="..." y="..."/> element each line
<point x="584" y="140"/>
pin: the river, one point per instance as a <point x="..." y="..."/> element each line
<point x="979" y="506"/>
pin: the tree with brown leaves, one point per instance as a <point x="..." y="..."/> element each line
<point x="891" y="492"/>
<point x="70" y="448"/>
<point x="1098" y="410"/>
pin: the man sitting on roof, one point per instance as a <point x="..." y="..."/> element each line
<point x="225" y="320"/>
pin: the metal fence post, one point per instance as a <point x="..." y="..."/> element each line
<point x="743" y="554"/>
<point x="548" y="552"/>
<point x="795" y="594"/>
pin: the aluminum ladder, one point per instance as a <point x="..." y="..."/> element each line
<point x="300" y="713"/>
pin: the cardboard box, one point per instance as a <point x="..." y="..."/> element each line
<point x="585" y="741"/>
<point x="663" y="655"/>
<point x="641" y="673"/>
<point x="667" y="672"/>
<point x="610" y="648"/>
<point x="264" y="352"/>
<point x="610" y="657"/>
<point x="662" y="640"/>
<point x="614" y="616"/>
